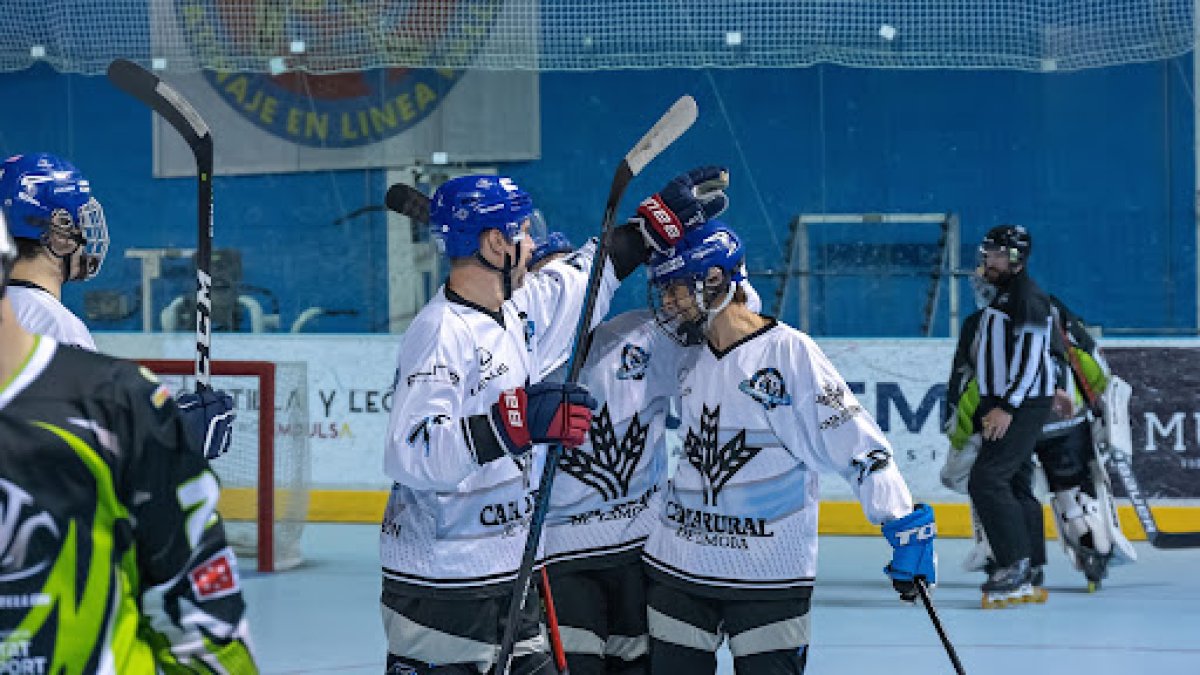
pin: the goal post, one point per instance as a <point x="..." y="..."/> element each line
<point x="265" y="474"/>
<point x="944" y="267"/>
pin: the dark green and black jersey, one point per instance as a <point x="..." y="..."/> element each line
<point x="112" y="556"/>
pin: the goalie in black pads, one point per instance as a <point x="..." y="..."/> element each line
<point x="733" y="551"/>
<point x="118" y="561"/>
<point x="471" y="416"/>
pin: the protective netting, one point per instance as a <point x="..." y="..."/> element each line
<point x="239" y="470"/>
<point x="343" y="35"/>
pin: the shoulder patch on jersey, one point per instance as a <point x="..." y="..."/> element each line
<point x="767" y="387"/>
<point x="869" y="462"/>
<point x="160" y="396"/>
<point x="834" y="396"/>
<point x="148" y="374"/>
<point x="435" y="372"/>
<point x="634" y="361"/>
<point x="216" y="577"/>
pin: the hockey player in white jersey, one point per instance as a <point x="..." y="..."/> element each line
<point x="733" y="554"/>
<point x="62" y="236"/>
<point x="470" y="415"/>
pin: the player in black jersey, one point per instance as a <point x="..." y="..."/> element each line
<point x="112" y="555"/>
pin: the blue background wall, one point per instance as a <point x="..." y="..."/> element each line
<point x="1098" y="164"/>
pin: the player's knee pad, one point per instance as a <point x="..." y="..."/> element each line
<point x="1081" y="521"/>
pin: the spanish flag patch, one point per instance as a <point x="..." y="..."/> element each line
<point x="160" y="396"/>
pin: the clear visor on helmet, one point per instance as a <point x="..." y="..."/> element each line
<point x="538" y="228"/>
<point x="8" y="253"/>
<point x="683" y="304"/>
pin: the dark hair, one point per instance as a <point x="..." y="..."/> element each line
<point x="28" y="249"/>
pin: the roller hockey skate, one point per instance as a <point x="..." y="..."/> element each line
<point x="1012" y="585"/>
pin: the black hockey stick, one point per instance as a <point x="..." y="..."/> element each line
<point x="937" y="625"/>
<point x="1121" y="465"/>
<point x="146" y="87"/>
<point x="408" y="201"/>
<point x="664" y="132"/>
<point x="1156" y="537"/>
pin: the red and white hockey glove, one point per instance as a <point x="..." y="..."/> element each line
<point x="687" y="202"/>
<point x="547" y="412"/>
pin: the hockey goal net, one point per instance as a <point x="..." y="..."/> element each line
<point x="265" y="474"/>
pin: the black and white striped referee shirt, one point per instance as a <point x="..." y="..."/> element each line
<point x="1013" y="363"/>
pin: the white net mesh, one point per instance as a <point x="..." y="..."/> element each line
<point x="339" y="35"/>
<point x="243" y="485"/>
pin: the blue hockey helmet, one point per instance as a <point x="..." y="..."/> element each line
<point x="690" y="264"/>
<point x="552" y="243"/>
<point x="46" y="199"/>
<point x="465" y="207"/>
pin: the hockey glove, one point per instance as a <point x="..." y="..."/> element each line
<point x="546" y="412"/>
<point x="687" y="202"/>
<point x="208" y="418"/>
<point x="913" y="557"/>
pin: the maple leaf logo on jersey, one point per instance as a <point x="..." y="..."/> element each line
<point x="834" y="396"/>
<point x="609" y="467"/>
<point x="716" y="466"/>
<point x="634" y="361"/>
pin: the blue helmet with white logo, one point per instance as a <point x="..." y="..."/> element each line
<point x="463" y="208"/>
<point x="46" y="199"/>
<point x="689" y="267"/>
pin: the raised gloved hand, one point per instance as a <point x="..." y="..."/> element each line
<point x="913" y="557"/>
<point x="688" y="201"/>
<point x="208" y="418"/>
<point x="546" y="412"/>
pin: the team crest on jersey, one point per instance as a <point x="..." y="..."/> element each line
<point x="767" y="387"/>
<point x="22" y="531"/>
<point x="717" y="465"/>
<point x="634" y="361"/>
<point x="834" y="396"/>
<point x="420" y="431"/>
<point x="610" y="465"/>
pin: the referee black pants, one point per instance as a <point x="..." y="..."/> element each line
<point x="1001" y="488"/>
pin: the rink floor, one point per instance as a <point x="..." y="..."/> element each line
<point x="323" y="616"/>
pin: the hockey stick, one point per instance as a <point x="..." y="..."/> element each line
<point x="1156" y="537"/>
<point x="146" y="87"/>
<point x="937" y="625"/>
<point x="408" y="201"/>
<point x="664" y="132"/>
<point x="556" y="645"/>
<point x="1123" y="468"/>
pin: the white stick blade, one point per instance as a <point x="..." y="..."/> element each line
<point x="664" y="132"/>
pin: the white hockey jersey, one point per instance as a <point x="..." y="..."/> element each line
<point x="759" y="420"/>
<point x="39" y="312"/>
<point x="607" y="490"/>
<point x="452" y="521"/>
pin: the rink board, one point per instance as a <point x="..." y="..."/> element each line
<point x="901" y="382"/>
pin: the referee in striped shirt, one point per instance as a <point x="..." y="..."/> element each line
<point x="1016" y="376"/>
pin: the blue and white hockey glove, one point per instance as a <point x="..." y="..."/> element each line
<point x="546" y="412"/>
<point x="913" y="557"/>
<point x="208" y="417"/>
<point x="688" y="201"/>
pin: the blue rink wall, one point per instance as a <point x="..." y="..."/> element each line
<point x="1099" y="164"/>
